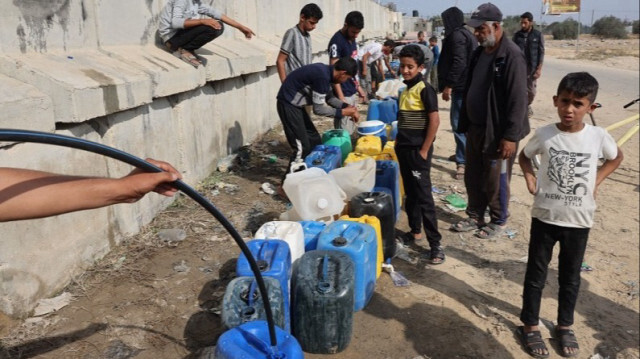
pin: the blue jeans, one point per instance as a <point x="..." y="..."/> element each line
<point x="461" y="139"/>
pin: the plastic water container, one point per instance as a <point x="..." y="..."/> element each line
<point x="369" y="145"/>
<point x="373" y="112"/>
<point x="311" y="231"/>
<point x="314" y="194"/>
<point x="394" y="131"/>
<point x="274" y="260"/>
<point x="251" y="340"/>
<point x="372" y="127"/>
<point x="388" y="110"/>
<point x="355" y="157"/>
<point x="391" y="149"/>
<point x="326" y="157"/>
<point x="243" y="303"/>
<point x="356" y="177"/>
<point x="340" y="138"/>
<point x="375" y="223"/>
<point x="322" y="298"/>
<point x="380" y="205"/>
<point x="288" y="231"/>
<point x="388" y="176"/>
<point x="358" y="240"/>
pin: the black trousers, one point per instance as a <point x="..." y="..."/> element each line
<point x="299" y="131"/>
<point x="573" y="242"/>
<point x="486" y="186"/>
<point x="419" y="205"/>
<point x="194" y="38"/>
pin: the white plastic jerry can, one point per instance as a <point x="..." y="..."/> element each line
<point x="290" y="232"/>
<point x="314" y="194"/>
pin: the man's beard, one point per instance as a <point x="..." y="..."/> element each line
<point x="490" y="41"/>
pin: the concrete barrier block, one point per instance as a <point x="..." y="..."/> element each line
<point x="24" y="107"/>
<point x="169" y="75"/>
<point x="226" y="58"/>
<point x="83" y="84"/>
<point x="40" y="256"/>
<point x="138" y="132"/>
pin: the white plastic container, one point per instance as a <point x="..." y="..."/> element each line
<point x="389" y="88"/>
<point x="356" y="177"/>
<point x="290" y="232"/>
<point x="314" y="194"/>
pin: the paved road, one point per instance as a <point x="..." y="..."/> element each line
<point x="617" y="86"/>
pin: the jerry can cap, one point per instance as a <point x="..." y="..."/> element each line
<point x="262" y="265"/>
<point x="339" y="241"/>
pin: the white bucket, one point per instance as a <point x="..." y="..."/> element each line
<point x="314" y="194"/>
<point x="356" y="177"/>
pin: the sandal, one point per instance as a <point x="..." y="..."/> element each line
<point x="187" y="57"/>
<point x="567" y="338"/>
<point x="407" y="238"/>
<point x="491" y="230"/>
<point x="436" y="255"/>
<point x="533" y="343"/>
<point x="460" y="172"/>
<point x="466" y="225"/>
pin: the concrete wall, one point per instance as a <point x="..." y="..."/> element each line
<point x="93" y="69"/>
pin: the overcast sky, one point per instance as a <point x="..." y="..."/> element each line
<point x="623" y="9"/>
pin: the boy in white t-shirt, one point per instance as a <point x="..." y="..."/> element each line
<point x="564" y="204"/>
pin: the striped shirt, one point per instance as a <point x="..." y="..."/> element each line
<point x="416" y="102"/>
<point x="297" y="46"/>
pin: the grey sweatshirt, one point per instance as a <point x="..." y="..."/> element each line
<point x="176" y="12"/>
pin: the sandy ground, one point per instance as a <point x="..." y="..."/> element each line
<point x="153" y="299"/>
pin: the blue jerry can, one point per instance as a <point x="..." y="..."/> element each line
<point x="359" y="241"/>
<point x="251" y="341"/>
<point x="274" y="260"/>
<point x="327" y="157"/>
<point x="311" y="231"/>
<point x="388" y="110"/>
<point x="388" y="176"/>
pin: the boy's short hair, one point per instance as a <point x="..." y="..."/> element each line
<point x="389" y="43"/>
<point x="420" y="33"/>
<point x="433" y="39"/>
<point x="347" y="64"/>
<point x="413" y="51"/>
<point x="354" y="19"/>
<point x="311" y="10"/>
<point x="580" y="84"/>
<point x="527" y="15"/>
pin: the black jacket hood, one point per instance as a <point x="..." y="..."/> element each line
<point x="452" y="18"/>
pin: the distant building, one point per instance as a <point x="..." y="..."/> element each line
<point x="414" y="24"/>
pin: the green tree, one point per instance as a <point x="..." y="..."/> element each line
<point x="511" y="25"/>
<point x="566" y="30"/>
<point x="635" y="27"/>
<point x="609" y="27"/>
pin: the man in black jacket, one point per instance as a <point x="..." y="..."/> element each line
<point x="531" y="42"/>
<point x="457" y="47"/>
<point x="494" y="118"/>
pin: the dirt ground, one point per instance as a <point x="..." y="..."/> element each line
<point x="155" y="299"/>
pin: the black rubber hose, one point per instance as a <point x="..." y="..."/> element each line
<point x="73" y="142"/>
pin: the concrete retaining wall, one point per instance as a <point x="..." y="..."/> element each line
<point x="93" y="69"/>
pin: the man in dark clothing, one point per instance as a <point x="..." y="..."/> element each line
<point x="453" y="64"/>
<point x="531" y="42"/>
<point x="494" y="118"/>
<point x="343" y="44"/>
<point x="311" y="85"/>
